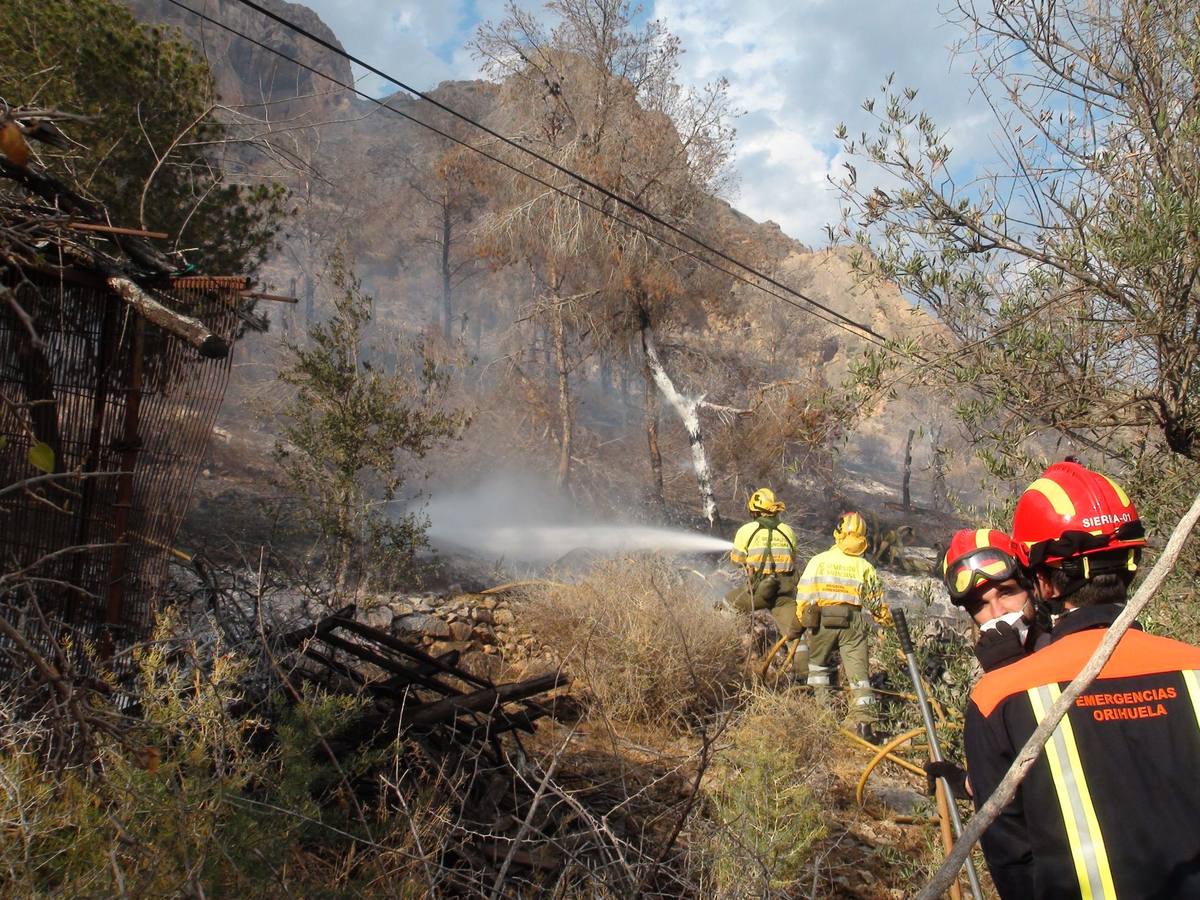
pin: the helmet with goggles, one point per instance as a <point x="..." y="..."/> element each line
<point x="980" y="558"/>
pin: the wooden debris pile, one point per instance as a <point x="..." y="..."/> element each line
<point x="414" y="693"/>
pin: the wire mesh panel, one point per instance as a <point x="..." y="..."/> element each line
<point x="103" y="422"/>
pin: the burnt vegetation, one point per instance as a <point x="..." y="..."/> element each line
<point x="232" y="663"/>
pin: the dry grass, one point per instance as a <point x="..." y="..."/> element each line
<point x="643" y="645"/>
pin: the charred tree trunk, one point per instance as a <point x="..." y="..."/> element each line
<point x="688" y="410"/>
<point x="604" y="374"/>
<point x="447" y="294"/>
<point x="559" y="328"/>
<point x="656" y="476"/>
<point x="623" y="389"/>
<point x="907" y="496"/>
<point x="941" y="494"/>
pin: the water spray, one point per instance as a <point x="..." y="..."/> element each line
<point x="539" y="542"/>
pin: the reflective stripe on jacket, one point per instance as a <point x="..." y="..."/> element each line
<point x="1111" y="809"/>
<point x="835" y="577"/>
<point x="771" y="549"/>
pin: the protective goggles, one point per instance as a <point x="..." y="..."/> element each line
<point x="1076" y="543"/>
<point x="979" y="568"/>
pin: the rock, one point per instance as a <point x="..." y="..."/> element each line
<point x="488" y="603"/>
<point x="437" y="648"/>
<point x="482" y="664"/>
<point x="504" y="617"/>
<point x="489" y="649"/>
<point x="402" y="607"/>
<point x="460" y="631"/>
<point x="484" y="634"/>
<point x="422" y="624"/>
<point x="378" y="617"/>
<point x="483" y="616"/>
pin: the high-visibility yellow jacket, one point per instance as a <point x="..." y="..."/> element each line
<point x="765" y="545"/>
<point x="835" y="577"/>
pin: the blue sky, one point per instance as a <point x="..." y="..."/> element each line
<point x="795" y="68"/>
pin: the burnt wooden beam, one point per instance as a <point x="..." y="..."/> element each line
<point x="116" y="229"/>
<point x="388" y="665"/>
<point x="481" y="701"/>
<point x="393" y="643"/>
<point x="277" y="298"/>
<point x="309" y="632"/>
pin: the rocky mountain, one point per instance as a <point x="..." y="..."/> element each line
<point x="356" y="173"/>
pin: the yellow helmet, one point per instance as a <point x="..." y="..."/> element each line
<point x="763" y="502"/>
<point x="850" y="524"/>
<point x="850" y="534"/>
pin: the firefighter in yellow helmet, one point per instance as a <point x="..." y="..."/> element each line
<point x="765" y="548"/>
<point x="833" y="591"/>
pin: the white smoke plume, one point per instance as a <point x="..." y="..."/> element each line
<point x="523" y="518"/>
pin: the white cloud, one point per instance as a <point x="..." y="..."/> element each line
<point x="412" y="40"/>
<point x="797" y="69"/>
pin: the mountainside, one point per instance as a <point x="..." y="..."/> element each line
<point x="359" y="176"/>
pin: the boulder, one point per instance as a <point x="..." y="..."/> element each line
<point x="378" y="617"/>
<point x="437" y="648"/>
<point x="421" y="624"/>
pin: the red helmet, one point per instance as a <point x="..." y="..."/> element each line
<point x="978" y="556"/>
<point x="1072" y="511"/>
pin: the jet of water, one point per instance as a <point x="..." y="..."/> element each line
<point x="533" y="543"/>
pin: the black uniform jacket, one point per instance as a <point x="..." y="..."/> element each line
<point x="1111" y="808"/>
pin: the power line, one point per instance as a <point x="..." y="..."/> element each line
<point x="517" y="169"/>
<point x="867" y="332"/>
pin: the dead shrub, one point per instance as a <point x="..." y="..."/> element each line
<point x="642" y="644"/>
<point x="763" y="804"/>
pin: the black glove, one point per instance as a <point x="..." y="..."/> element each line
<point x="998" y="647"/>
<point x="952" y="772"/>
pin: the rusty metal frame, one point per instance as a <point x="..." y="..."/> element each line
<point x="131" y="415"/>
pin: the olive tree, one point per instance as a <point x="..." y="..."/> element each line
<point x="1066" y="274"/>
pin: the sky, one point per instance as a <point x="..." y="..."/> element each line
<point x="796" y="68"/>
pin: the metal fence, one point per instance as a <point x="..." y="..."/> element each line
<point x="126" y="411"/>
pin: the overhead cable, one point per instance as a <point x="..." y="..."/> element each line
<point x="866" y="330"/>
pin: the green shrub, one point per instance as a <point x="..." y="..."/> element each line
<point x="765" y="813"/>
<point x="193" y="799"/>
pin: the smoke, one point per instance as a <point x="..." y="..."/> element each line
<point x="523" y="518"/>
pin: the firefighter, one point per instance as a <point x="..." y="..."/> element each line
<point x="1110" y="807"/>
<point x="765" y="548"/>
<point x="986" y="576"/>
<point x="835" y="587"/>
